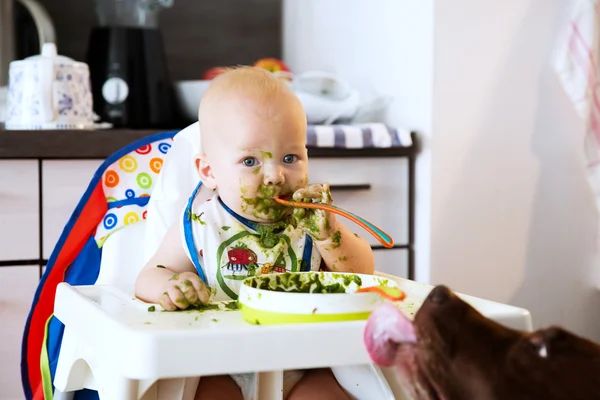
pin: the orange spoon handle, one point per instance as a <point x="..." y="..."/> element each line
<point x="392" y="294"/>
<point x="385" y="239"/>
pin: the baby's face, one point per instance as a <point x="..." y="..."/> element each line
<point x="259" y="154"/>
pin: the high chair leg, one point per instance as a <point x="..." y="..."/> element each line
<point x="75" y="364"/>
<point x="114" y="387"/>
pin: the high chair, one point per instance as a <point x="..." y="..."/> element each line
<point x="100" y="253"/>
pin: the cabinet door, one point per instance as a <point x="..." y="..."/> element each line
<point x="17" y="287"/>
<point x="373" y="188"/>
<point x="18" y="210"/>
<point x="64" y="182"/>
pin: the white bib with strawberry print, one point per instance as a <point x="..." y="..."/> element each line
<point x="226" y="247"/>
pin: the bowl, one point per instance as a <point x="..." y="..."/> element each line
<point x="188" y="95"/>
<point x="304" y="297"/>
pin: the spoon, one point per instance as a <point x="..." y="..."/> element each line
<point x="385" y="239"/>
<point x="390" y="293"/>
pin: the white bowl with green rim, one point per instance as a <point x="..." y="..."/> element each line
<point x="304" y="297"/>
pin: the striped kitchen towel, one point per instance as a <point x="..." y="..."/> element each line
<point x="577" y="63"/>
<point x="359" y="136"/>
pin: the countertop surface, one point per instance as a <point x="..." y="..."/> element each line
<point x="99" y="144"/>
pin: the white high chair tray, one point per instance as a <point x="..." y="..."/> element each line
<point x="179" y="344"/>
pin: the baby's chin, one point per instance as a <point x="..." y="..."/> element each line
<point x="272" y="214"/>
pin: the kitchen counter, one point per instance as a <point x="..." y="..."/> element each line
<point x="81" y="144"/>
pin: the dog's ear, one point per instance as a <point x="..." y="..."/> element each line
<point x="549" y="341"/>
<point x="560" y="341"/>
<point x="539" y="344"/>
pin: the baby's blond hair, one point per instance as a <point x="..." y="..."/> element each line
<point x="256" y="84"/>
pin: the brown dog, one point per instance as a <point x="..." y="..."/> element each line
<point x="452" y="352"/>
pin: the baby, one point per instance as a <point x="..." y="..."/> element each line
<point x="253" y="135"/>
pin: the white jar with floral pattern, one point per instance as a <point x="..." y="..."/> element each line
<point x="49" y="91"/>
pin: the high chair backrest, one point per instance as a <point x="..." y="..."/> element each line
<point x="174" y="186"/>
<point x="123" y="257"/>
<point x="102" y="242"/>
<point x="127" y="250"/>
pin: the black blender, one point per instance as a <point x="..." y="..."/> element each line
<point x="130" y="81"/>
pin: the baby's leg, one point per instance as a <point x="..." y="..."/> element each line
<point x="220" y="387"/>
<point x="317" y="384"/>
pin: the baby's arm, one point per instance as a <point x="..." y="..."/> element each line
<point x="341" y="250"/>
<point x="169" y="277"/>
<point x="345" y="251"/>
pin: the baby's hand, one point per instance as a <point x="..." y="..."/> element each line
<point x="184" y="290"/>
<point x="319" y="224"/>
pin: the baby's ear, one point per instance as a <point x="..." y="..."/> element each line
<point x="205" y="171"/>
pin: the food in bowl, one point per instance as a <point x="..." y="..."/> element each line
<point x="318" y="282"/>
<point x="302" y="297"/>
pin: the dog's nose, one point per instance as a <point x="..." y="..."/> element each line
<point x="440" y="294"/>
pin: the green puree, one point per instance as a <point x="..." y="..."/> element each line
<point x="268" y="237"/>
<point x="229" y="306"/>
<point x="304" y="282"/>
<point x="199" y="308"/>
<point x="264" y="204"/>
<point x="196" y="217"/>
<point x="337" y="238"/>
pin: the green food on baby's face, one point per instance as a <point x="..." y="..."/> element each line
<point x="266" y="191"/>
<point x="261" y="205"/>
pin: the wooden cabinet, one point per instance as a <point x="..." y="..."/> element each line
<point x="376" y="188"/>
<point x="18" y="210"/>
<point x="373" y="188"/>
<point x="64" y="182"/>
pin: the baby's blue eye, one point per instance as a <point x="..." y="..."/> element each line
<point x="290" y="158"/>
<point x="249" y="162"/>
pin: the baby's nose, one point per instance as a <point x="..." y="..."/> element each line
<point x="273" y="175"/>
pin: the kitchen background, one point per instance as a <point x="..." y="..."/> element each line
<point x="197" y="35"/>
<point x="504" y="210"/>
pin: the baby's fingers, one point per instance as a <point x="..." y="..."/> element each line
<point x="178" y="298"/>
<point x="299" y="213"/>
<point x="311" y="192"/>
<point x="299" y="194"/>
<point x="326" y="194"/>
<point x="314" y="191"/>
<point x="203" y="292"/>
<point x="166" y="303"/>
<point x="189" y="291"/>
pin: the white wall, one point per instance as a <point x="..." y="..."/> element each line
<point x="504" y="210"/>
<point x="383" y="46"/>
<point x="513" y="218"/>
